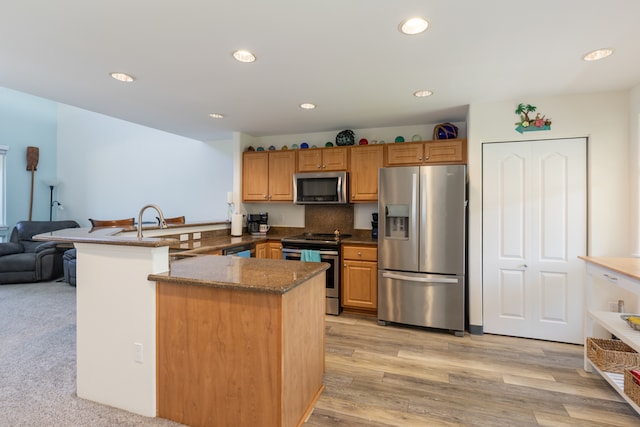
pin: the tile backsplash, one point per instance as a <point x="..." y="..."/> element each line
<point x="326" y="219"/>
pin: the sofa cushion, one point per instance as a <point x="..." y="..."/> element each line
<point x="25" y="230"/>
<point x="18" y="262"/>
<point x="9" y="248"/>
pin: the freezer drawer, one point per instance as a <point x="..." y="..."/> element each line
<point x="429" y="300"/>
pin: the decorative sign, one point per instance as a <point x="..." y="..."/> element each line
<point x="527" y="124"/>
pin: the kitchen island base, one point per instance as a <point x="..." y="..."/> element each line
<point x="241" y="358"/>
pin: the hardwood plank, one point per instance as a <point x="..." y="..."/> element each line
<point x="602" y="417"/>
<point x="598" y="393"/>
<point x="402" y="376"/>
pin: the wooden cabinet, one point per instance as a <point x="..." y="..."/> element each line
<point x="267" y="176"/>
<point x="360" y="278"/>
<point x="323" y="159"/>
<point x="447" y="151"/>
<point x="270" y="250"/>
<point x="274" y="250"/>
<point x="262" y="250"/>
<point x="363" y="172"/>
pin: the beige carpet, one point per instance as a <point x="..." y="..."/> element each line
<point x="38" y="362"/>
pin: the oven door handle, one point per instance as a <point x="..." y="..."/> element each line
<point x="299" y="251"/>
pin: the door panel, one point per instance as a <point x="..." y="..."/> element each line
<point x="534" y="228"/>
<point x="511" y="208"/>
<point x="512" y="292"/>
<point x="398" y="213"/>
<point x="442" y="219"/>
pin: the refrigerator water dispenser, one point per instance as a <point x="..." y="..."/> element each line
<point x="397" y="221"/>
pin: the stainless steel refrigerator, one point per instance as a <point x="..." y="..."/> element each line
<point x="422" y="246"/>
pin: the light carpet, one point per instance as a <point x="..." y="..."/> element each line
<point x="38" y="362"/>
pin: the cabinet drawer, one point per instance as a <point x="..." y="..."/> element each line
<point x="360" y="253"/>
<point x="613" y="278"/>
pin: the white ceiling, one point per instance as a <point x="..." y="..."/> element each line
<point x="346" y="56"/>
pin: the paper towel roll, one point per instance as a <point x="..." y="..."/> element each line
<point x="236" y="225"/>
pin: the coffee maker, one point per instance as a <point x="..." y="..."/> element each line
<point x="255" y="220"/>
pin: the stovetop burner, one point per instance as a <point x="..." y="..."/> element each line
<point x="332" y="239"/>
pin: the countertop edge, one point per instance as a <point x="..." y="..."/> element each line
<point x="627" y="266"/>
<point x="165" y="278"/>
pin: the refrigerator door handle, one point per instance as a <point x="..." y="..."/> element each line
<point x="388" y="275"/>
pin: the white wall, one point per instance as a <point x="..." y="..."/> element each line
<point x="604" y="119"/>
<point x="27" y="120"/>
<point x="293" y="215"/>
<point x="634" y="168"/>
<point x="109" y="168"/>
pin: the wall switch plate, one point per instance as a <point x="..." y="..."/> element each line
<point x="139" y="350"/>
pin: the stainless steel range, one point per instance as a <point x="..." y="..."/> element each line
<point x="328" y="244"/>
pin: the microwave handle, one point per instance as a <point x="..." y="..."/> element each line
<point x="340" y="195"/>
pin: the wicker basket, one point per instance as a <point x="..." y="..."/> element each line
<point x="631" y="388"/>
<point x="611" y="355"/>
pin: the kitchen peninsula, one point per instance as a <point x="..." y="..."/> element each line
<point x="235" y="340"/>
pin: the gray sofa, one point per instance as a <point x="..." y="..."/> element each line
<point x="25" y="260"/>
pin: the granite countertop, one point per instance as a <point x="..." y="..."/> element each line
<point x="110" y="236"/>
<point x="245" y="274"/>
<point x="107" y="236"/>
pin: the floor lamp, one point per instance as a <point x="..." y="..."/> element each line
<point x="52" y="202"/>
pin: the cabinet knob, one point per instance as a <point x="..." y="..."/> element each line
<point x="324" y="166"/>
<point x="266" y="197"/>
<point x="426" y="157"/>
<point x="359" y="253"/>
<point x="420" y="158"/>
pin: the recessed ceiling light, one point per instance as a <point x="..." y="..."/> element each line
<point x="422" y="93"/>
<point x="244" y="56"/>
<point x="597" y="54"/>
<point x="307" y="106"/>
<point x="122" y="77"/>
<point x="216" y="115"/>
<point x="413" y="26"/>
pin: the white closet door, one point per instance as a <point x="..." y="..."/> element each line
<point x="534" y="216"/>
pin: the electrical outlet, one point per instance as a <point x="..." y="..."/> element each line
<point x="139" y="350"/>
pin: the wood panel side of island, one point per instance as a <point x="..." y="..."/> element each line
<point x="303" y="323"/>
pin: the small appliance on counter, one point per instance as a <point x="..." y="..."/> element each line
<point x="257" y="224"/>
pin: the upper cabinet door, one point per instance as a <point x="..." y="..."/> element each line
<point x="325" y="159"/>
<point x="445" y="151"/>
<point x="335" y="159"/>
<point x="255" y="176"/>
<point x="309" y="160"/>
<point x="364" y="164"/>
<point x="404" y="154"/>
<point x="282" y="166"/>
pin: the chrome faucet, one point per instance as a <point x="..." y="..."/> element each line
<point x="163" y="223"/>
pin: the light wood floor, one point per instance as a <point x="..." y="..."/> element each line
<point x="404" y="376"/>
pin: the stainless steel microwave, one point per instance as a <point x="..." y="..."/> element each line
<point x="321" y="188"/>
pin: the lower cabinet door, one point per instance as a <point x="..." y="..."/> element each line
<point x="359" y="285"/>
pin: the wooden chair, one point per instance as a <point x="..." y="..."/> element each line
<point x="128" y="222"/>
<point x="174" y="220"/>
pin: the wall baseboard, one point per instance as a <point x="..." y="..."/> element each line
<point x="476" y="330"/>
